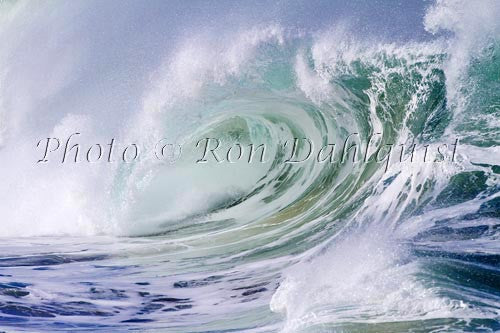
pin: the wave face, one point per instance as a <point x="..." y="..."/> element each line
<point x="258" y="247"/>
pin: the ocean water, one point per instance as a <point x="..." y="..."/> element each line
<point x="180" y="246"/>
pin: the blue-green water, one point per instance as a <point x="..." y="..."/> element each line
<point x="411" y="245"/>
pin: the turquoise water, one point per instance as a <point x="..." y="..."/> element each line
<point x="363" y="245"/>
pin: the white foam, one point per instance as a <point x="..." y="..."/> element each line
<point x="363" y="278"/>
<point x="473" y="24"/>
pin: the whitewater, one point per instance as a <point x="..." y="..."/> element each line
<point x="157" y="246"/>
